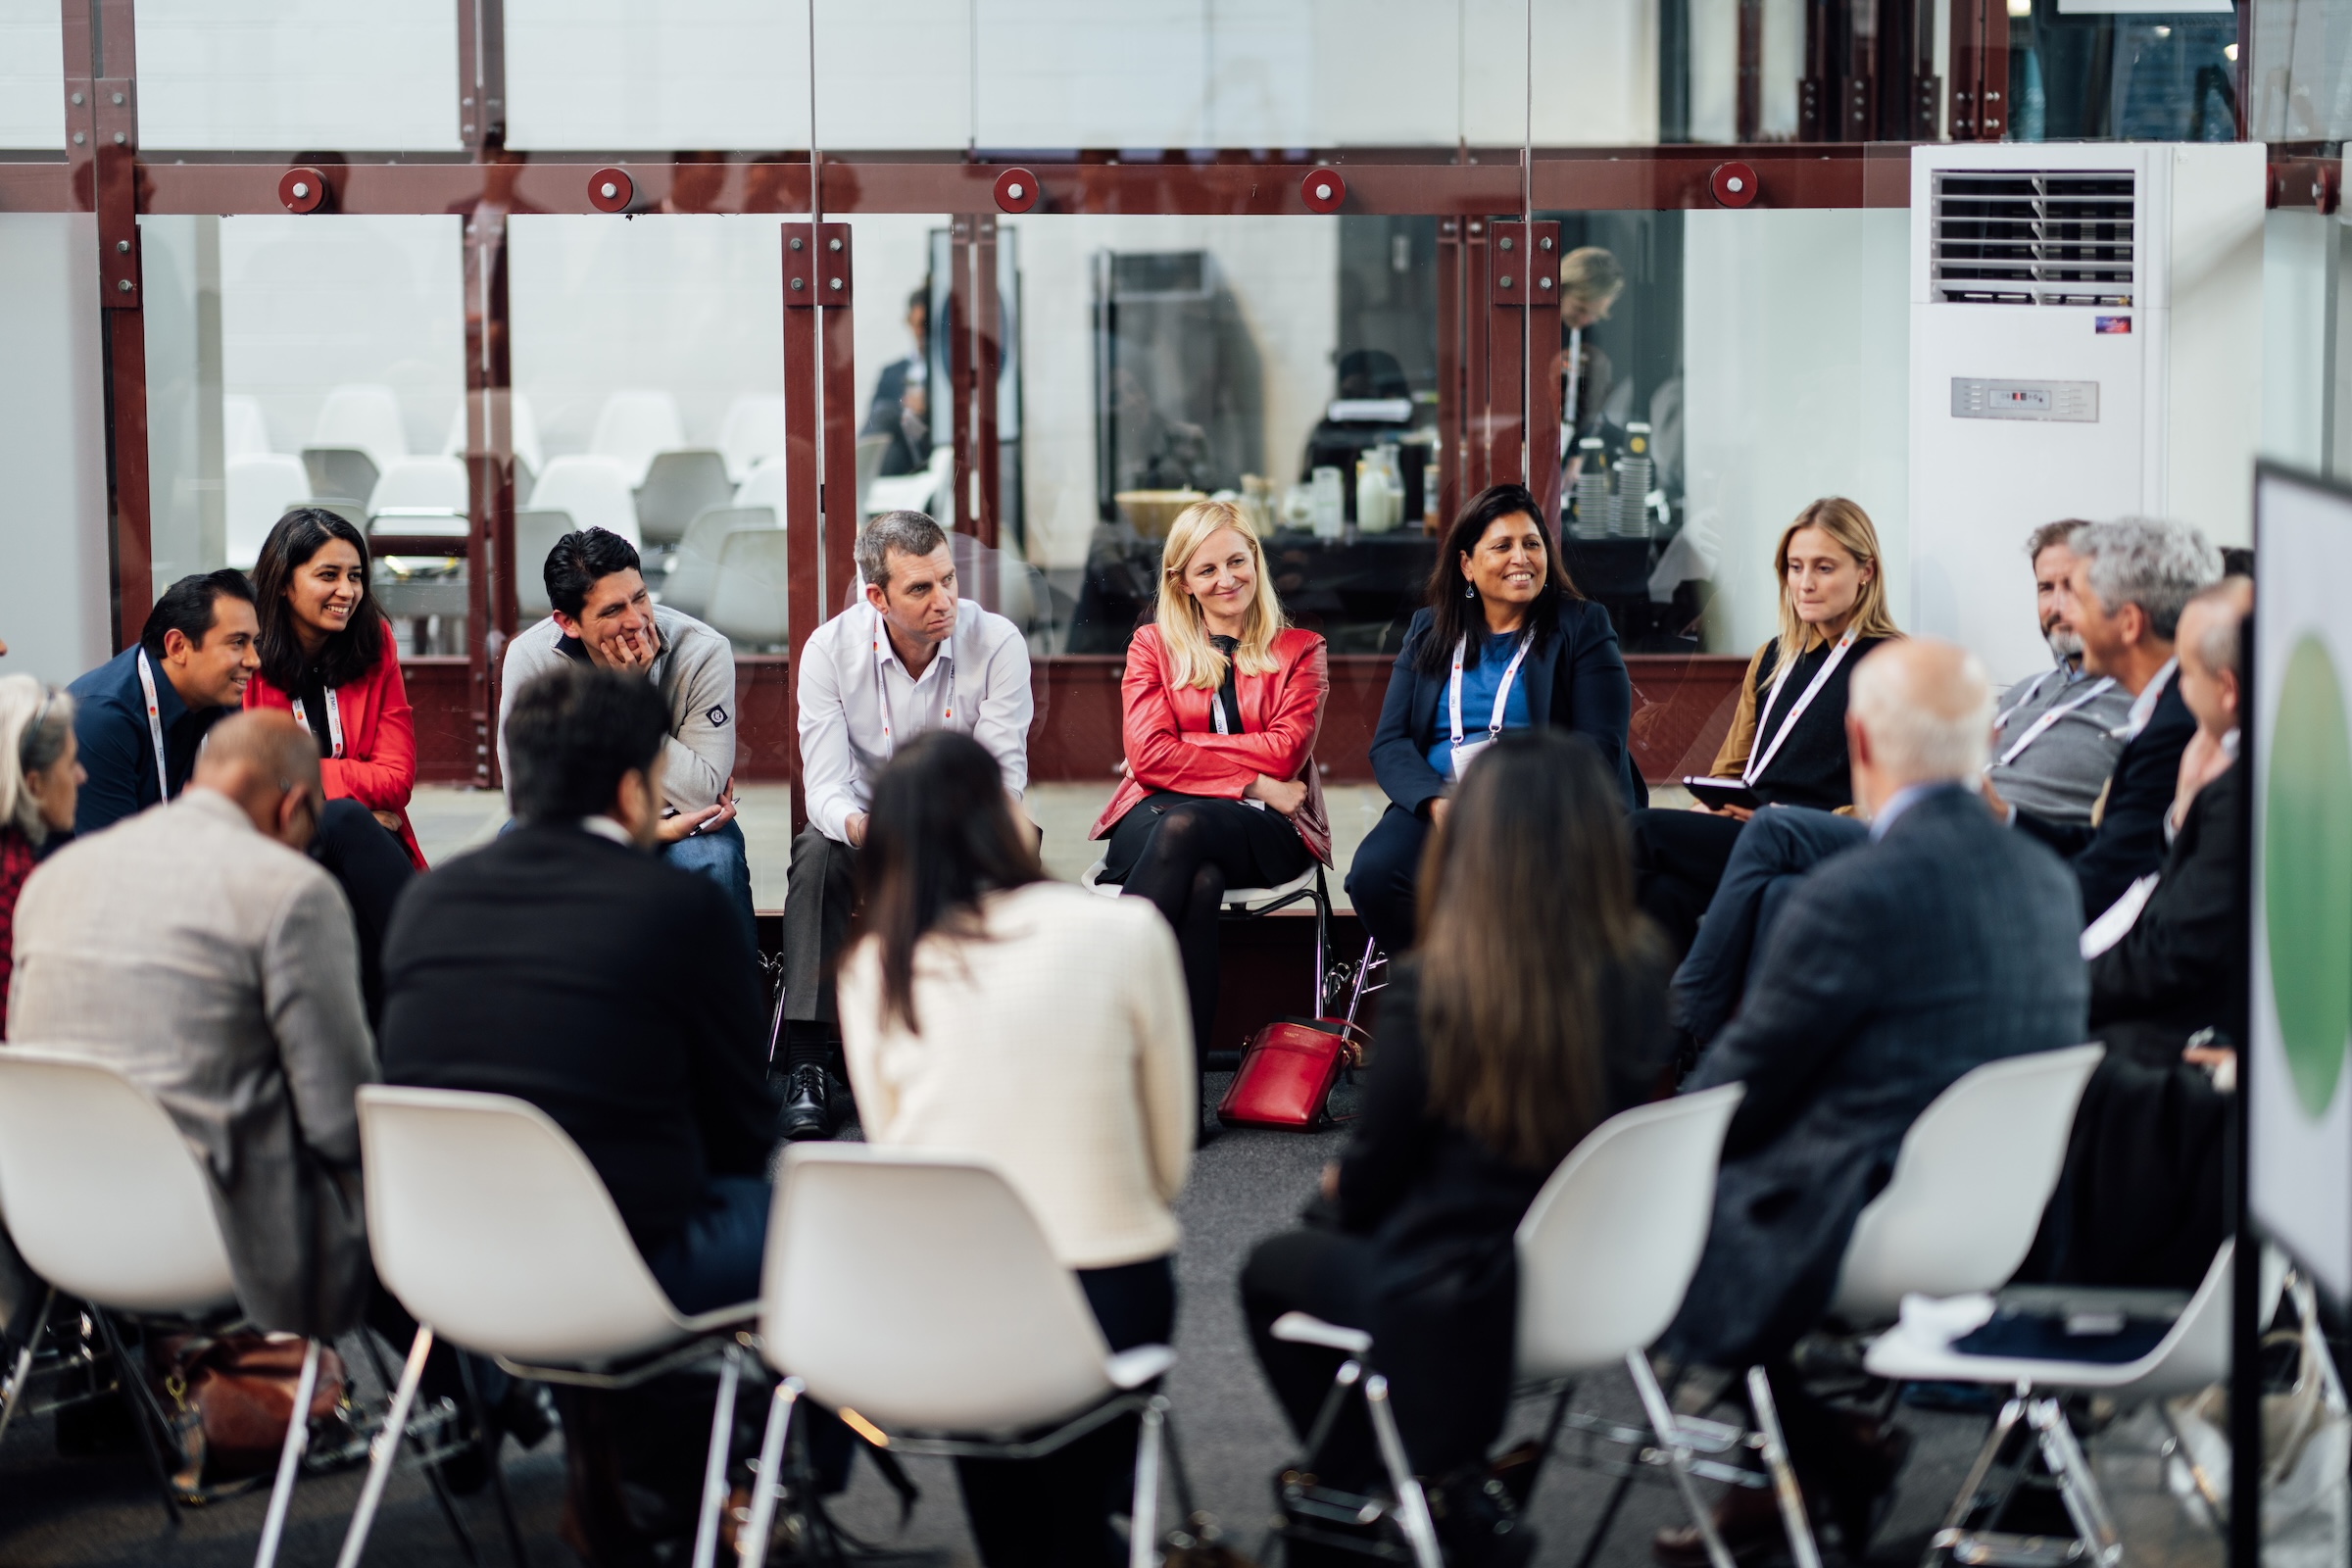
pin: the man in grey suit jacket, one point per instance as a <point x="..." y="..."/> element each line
<point x="1944" y="943"/>
<point x="195" y="949"/>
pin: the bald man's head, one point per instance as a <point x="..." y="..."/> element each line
<point x="1920" y="712"/>
<point x="269" y="764"/>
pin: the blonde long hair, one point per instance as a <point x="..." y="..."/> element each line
<point x="1850" y="527"/>
<point x="1192" y="660"/>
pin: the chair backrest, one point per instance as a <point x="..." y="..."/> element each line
<point x="763" y="486"/>
<point x="681" y="487"/>
<point x="488" y="1223"/>
<point x="1609" y="1245"/>
<point x="916" y="1289"/>
<point x="695" y="572"/>
<point x="746" y="604"/>
<point x="244" y="430"/>
<point x="2195" y="1353"/>
<point x="434" y="482"/>
<point x="535" y="534"/>
<point x="597" y="492"/>
<point x="633" y="426"/>
<point x="346" y="474"/>
<point x="366" y="416"/>
<point x="751" y="432"/>
<point x="522" y="429"/>
<point x="105" y="1199"/>
<point x="1970" y="1183"/>
<point x="871" y="450"/>
<point x="257" y="491"/>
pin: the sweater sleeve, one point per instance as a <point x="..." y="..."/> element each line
<point x="859" y="1006"/>
<point x="1165" y="1076"/>
<point x="698" y="756"/>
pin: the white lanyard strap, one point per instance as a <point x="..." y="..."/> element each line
<point x="883" y="654"/>
<point x="2041" y="726"/>
<point x="334" y="721"/>
<point x="1758" y="762"/>
<point x="155" y="727"/>
<point x="1502" y="691"/>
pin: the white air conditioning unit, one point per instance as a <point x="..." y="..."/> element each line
<point x="2085" y="342"/>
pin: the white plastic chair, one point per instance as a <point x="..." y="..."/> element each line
<point x="490" y="1226"/>
<point x="1249" y="904"/>
<point x="764" y="485"/>
<point x="599" y="492"/>
<point x="365" y="416"/>
<point x="916" y="1289"/>
<point x="751" y="433"/>
<point x="421" y="484"/>
<point x="256" y="492"/>
<point x="2193" y="1354"/>
<point x="244" y="430"/>
<point x="695" y="573"/>
<point x="747" y="604"/>
<point x="535" y="534"/>
<point x="522" y="430"/>
<point x="635" y="424"/>
<point x="107" y="1203"/>
<point x="1606" y="1251"/>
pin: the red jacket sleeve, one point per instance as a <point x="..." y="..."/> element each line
<point x="1159" y="755"/>
<point x="1281" y="750"/>
<point x="384" y="778"/>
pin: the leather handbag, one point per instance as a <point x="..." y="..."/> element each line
<point x="1287" y="1073"/>
<point x="227" y="1400"/>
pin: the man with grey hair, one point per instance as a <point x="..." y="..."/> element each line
<point x="914" y="656"/>
<point x="1941" y="944"/>
<point x="2123" y="597"/>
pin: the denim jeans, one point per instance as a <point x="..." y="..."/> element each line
<point x="1779" y="845"/>
<point x="720" y="853"/>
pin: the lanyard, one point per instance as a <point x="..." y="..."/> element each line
<point x="882" y="658"/>
<point x="334" y="721"/>
<point x="155" y="727"/>
<point x="1758" y="765"/>
<point x="2036" y="730"/>
<point x="1502" y="695"/>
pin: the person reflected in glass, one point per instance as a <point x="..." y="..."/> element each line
<point x="1222" y="702"/>
<point x="1505" y="643"/>
<point x="899" y="407"/>
<point x="1534" y="1010"/>
<point x="1591" y="281"/>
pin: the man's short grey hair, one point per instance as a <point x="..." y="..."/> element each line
<point x="2217" y="641"/>
<point x="909" y="533"/>
<point x="2156" y="566"/>
<point x="1928" y="710"/>
<point x="2060" y="532"/>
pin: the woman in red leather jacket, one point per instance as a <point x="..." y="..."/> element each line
<point x="1222" y="699"/>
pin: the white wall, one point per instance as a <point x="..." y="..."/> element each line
<point x="1797" y="353"/>
<point x="2301" y="253"/>
<point x="54" y="593"/>
<point x="33" y="74"/>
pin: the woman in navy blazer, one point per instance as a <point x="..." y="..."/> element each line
<point x="1500" y="602"/>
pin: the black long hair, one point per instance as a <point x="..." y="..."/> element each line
<point x="350" y="653"/>
<point x="1451" y="611"/>
<point x="939" y="834"/>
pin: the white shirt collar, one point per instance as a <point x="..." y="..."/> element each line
<point x="887" y="651"/>
<point x="1902" y="801"/>
<point x="2143" y="707"/>
<point x="604" y="827"/>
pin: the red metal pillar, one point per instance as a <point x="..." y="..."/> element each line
<point x="1544" y="370"/>
<point x="1749" y="102"/>
<point x="963" y="436"/>
<point x="1980" y="55"/>
<point x="1510" y="281"/>
<point x="1453" y="447"/>
<point x="988" y="359"/>
<point x="492" y="573"/>
<point x="820" y="520"/>
<point x="1477" y="411"/>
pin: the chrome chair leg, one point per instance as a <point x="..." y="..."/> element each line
<point x="2086" y="1505"/>
<point x="715" y="1465"/>
<point x="1412" y="1506"/>
<point x="1677" y="1456"/>
<point x="1143" y="1518"/>
<point x="1801" y="1548"/>
<point x="289" y="1456"/>
<point x="384" y="1448"/>
<point x="751" y="1547"/>
<point x="13" y="1393"/>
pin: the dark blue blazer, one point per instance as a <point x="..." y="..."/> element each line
<point x="1575" y="679"/>
<point x="2129" y="842"/>
<point x="1893" y="968"/>
<point x="115" y="750"/>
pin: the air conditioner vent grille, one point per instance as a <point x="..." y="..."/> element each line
<point x="2034" y="237"/>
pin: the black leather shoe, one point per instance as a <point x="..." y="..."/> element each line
<point x="808" y="1105"/>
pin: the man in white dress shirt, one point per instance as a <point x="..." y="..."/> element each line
<point x="913" y="657"/>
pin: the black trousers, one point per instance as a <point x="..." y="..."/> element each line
<point x="821" y="893"/>
<point x="1385" y="878"/>
<point x="1055" y="1512"/>
<point x="1182" y="852"/>
<point x="368" y="860"/>
<point x="1679" y="858"/>
<point x="1327" y="1275"/>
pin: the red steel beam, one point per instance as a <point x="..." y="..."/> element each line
<point x="987" y="358"/>
<point x="1453" y="448"/>
<point x="1510" y="276"/>
<point x="804" y="594"/>
<point x="1544" y="372"/>
<point x="963" y="436"/>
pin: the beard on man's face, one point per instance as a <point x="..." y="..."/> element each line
<point x="2065" y="642"/>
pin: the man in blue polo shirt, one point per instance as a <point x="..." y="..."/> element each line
<point x="139" y="718"/>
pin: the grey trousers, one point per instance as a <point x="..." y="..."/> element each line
<point x="820" y="893"/>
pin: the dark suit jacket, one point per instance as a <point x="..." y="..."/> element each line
<point x="1893" y="969"/>
<point x="615" y="991"/>
<point x="884" y="416"/>
<point x="2182" y="968"/>
<point x="2129" y="842"/>
<point x="1575" y="679"/>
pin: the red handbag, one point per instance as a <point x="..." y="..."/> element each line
<point x="1287" y="1073"/>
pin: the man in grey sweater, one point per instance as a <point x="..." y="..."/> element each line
<point x="604" y="616"/>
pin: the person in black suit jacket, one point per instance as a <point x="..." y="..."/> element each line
<point x="2124" y="598"/>
<point x="1500" y="596"/>
<point x="900" y="406"/>
<point x="1893" y="968"/>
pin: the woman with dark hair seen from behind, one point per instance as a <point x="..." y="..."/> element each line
<point x="1532" y="1009"/>
<point x="38" y="781"/>
<point x="1506" y="643"/>
<point x="990" y="1012"/>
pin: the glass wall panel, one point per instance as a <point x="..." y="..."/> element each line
<point x="32" y="76"/>
<point x="279" y="74"/>
<point x="1595" y="71"/>
<point x="2300" y="86"/>
<point x="2159" y="76"/>
<point x="594" y="74"/>
<point x="897" y="74"/>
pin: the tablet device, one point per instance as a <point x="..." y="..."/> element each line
<point x="1721" y="792"/>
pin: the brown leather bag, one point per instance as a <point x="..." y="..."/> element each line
<point x="228" y="1398"/>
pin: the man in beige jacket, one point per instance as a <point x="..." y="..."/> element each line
<point x="195" y="949"/>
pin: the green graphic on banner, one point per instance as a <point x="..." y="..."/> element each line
<point x="2306" y="872"/>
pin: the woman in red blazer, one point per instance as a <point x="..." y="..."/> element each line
<point x="1222" y="702"/>
<point x="328" y="655"/>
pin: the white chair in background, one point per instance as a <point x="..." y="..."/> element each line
<point x="365" y="416"/>
<point x="256" y="492"/>
<point x="746" y="604"/>
<point x="751" y="432"/>
<point x="523" y="428"/>
<point x="490" y="1226"/>
<point x="763" y="486"/>
<point x="694" y="573"/>
<point x="635" y="424"/>
<point x="863" y="1248"/>
<point x="535" y="534"/>
<point x="871" y="450"/>
<point x="107" y="1203"/>
<point x="244" y="432"/>
<point x="597" y="491"/>
<point x="927" y="489"/>
<point x="421" y="484"/>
